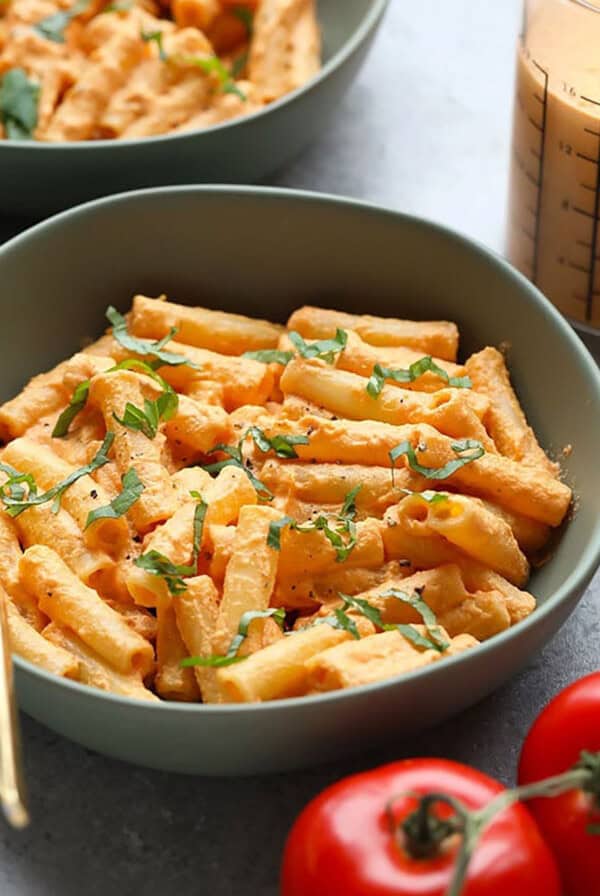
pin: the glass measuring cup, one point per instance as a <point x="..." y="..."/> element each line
<point x="554" y="207"/>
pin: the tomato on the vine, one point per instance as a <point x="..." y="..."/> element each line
<point x="568" y="727"/>
<point x="363" y="837"/>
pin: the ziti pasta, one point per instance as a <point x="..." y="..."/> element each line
<point x="200" y="506"/>
<point x="73" y="70"/>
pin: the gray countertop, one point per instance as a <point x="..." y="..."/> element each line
<point x="425" y="129"/>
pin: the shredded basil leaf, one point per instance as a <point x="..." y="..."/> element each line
<point x="270" y="356"/>
<point x="345" y="527"/>
<point x="426" y="613"/>
<point x="216" y="660"/>
<point x="282" y="446"/>
<point x="474" y="448"/>
<point x="157" y="564"/>
<point x="349" y="505"/>
<point x="15" y="505"/>
<point x="238" y="65"/>
<point x="212" y="65"/>
<point x="119" y="6"/>
<point x="275" y="530"/>
<point x="417" y="369"/>
<point x="145" y="347"/>
<point x="433" y="642"/>
<point x="157" y="38"/>
<point x="14" y="487"/>
<point x="76" y="404"/>
<point x="148" y="419"/>
<point x="246" y="17"/>
<point x="18" y="104"/>
<point x="325" y="349"/>
<point x="53" y="27"/>
<point x="130" y="493"/>
<point x="346" y="622"/>
<point x="429" y="496"/>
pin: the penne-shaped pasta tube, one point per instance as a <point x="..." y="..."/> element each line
<point x="10" y="553"/>
<point x="458" y="610"/>
<point x="244" y="381"/>
<point x="531" y="535"/>
<point x="416" y="550"/>
<point x="307" y="593"/>
<point x="279" y="670"/>
<point x="330" y="483"/>
<point x="206" y="392"/>
<point x="512" y="485"/>
<point x="93" y="668"/>
<point x="285" y="50"/>
<point x="520" y="604"/>
<point x="29" y="644"/>
<point x="172" y="682"/>
<point x="220" y="544"/>
<point x="228" y="334"/>
<point x="378" y="657"/>
<point x="225" y="496"/>
<point x="105" y="71"/>
<point x="79" y="499"/>
<point x="83" y="366"/>
<point x="250" y="574"/>
<point x="196" y="611"/>
<point x="311" y="553"/>
<point x="40" y="526"/>
<point x="345" y="394"/>
<point x="42" y="395"/>
<point x="198" y="426"/>
<point x="138" y="619"/>
<point x="133" y="449"/>
<point x="506" y="420"/>
<point x="467" y="524"/>
<point x="429" y="337"/>
<point x="67" y="601"/>
<point x="360" y="357"/>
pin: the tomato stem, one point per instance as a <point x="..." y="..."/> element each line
<point x="423" y="830"/>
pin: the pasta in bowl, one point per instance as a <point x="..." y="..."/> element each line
<point x="208" y="247"/>
<point x="125" y="70"/>
<point x="99" y="96"/>
<point x="201" y="506"/>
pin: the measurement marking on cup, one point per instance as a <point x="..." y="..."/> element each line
<point x="589" y="303"/>
<point x="582" y="211"/>
<point x="540" y="177"/>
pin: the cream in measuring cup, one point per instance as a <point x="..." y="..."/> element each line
<point x="554" y="210"/>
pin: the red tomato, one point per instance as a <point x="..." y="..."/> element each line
<point x="343" y="843"/>
<point x="568" y="725"/>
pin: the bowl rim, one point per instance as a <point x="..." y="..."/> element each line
<point x="577" y="580"/>
<point x="367" y="25"/>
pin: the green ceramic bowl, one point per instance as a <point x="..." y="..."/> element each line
<point x="37" y="179"/>
<point x="265" y="252"/>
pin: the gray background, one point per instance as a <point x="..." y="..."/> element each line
<point x="426" y="129"/>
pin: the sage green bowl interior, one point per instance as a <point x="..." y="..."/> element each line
<point x="37" y="179"/>
<point x="265" y="252"/>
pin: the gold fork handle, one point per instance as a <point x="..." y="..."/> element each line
<point x="12" y="786"/>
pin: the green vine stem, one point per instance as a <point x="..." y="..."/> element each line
<point x="423" y="831"/>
